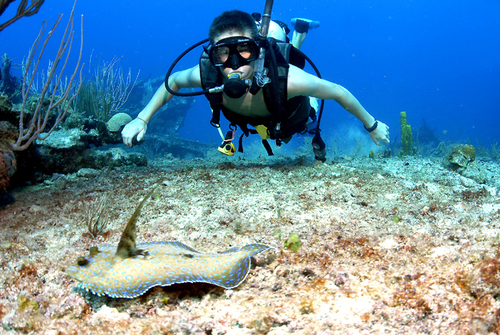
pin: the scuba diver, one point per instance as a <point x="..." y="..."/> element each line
<point x="276" y="105"/>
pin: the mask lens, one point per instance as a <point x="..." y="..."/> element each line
<point x="246" y="51"/>
<point x="220" y="55"/>
<point x="244" y="48"/>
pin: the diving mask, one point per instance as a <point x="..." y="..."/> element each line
<point x="233" y="52"/>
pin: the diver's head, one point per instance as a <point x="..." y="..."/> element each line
<point x="232" y="43"/>
<point x="234" y="21"/>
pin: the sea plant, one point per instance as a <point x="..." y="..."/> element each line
<point x="58" y="93"/>
<point x="105" y="91"/>
<point x="23" y="9"/>
<point x="293" y="242"/>
<point x="8" y="83"/>
<point x="97" y="216"/>
<point x="494" y="152"/>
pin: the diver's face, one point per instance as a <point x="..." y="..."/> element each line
<point x="247" y="70"/>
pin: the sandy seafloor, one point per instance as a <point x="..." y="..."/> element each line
<point x="390" y="246"/>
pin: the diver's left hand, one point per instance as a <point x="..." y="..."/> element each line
<point x="381" y="133"/>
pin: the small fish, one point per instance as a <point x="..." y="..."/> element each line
<point x="129" y="270"/>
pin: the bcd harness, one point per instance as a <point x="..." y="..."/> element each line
<point x="288" y="116"/>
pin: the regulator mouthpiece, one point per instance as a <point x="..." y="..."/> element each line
<point x="235" y="87"/>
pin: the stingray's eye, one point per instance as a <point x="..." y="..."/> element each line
<point x="93" y="251"/>
<point x="82" y="261"/>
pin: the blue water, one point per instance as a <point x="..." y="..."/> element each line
<point x="438" y="60"/>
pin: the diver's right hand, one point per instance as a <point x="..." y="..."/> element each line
<point x="135" y="127"/>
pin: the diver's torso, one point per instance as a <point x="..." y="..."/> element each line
<point x="248" y="105"/>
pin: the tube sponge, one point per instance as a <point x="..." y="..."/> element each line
<point x="406" y="137"/>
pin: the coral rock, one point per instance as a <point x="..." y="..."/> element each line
<point x="4" y="175"/>
<point x="462" y="155"/>
<point x="117" y="122"/>
<point x="8" y="162"/>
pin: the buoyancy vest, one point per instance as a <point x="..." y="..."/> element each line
<point x="288" y="116"/>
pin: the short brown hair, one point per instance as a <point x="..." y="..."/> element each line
<point x="233" y="20"/>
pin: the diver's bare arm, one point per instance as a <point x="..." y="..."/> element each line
<point x="303" y="83"/>
<point x="159" y="99"/>
<point x="345" y="98"/>
<point x="182" y="79"/>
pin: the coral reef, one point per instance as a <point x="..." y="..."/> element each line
<point x="71" y="145"/>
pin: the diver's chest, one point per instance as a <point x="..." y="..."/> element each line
<point x="247" y="105"/>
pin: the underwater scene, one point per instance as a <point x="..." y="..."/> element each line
<point x="376" y="210"/>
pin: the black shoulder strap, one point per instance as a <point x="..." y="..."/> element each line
<point x="276" y="93"/>
<point x="211" y="77"/>
<point x="285" y="54"/>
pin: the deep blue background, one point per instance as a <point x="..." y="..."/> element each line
<point x="438" y="60"/>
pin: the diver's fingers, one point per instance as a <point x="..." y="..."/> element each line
<point x="140" y="135"/>
<point x="126" y="138"/>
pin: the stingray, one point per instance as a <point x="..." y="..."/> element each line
<point x="129" y="270"/>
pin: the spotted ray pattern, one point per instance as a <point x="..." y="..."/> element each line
<point x="163" y="264"/>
